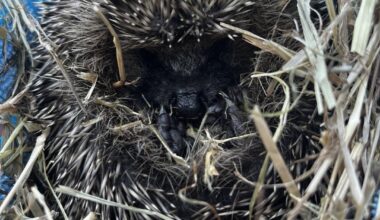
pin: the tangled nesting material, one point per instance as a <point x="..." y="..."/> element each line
<point x="118" y="112"/>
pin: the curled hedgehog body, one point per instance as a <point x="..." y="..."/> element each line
<point x="140" y="145"/>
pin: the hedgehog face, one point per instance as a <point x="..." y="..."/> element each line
<point x="188" y="78"/>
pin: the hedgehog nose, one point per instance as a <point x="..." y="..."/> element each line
<point x="188" y="105"/>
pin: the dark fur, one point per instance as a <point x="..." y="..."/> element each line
<point x="185" y="61"/>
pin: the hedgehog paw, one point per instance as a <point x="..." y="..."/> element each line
<point x="172" y="131"/>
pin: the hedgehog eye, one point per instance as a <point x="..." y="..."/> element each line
<point x="221" y="50"/>
<point x="149" y="58"/>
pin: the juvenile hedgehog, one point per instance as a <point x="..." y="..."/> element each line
<point x="148" y="144"/>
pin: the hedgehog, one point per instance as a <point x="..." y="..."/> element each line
<point x="170" y="138"/>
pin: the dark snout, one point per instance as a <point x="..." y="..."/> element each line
<point x="188" y="104"/>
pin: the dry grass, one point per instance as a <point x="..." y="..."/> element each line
<point x="345" y="75"/>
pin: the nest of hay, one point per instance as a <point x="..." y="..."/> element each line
<point x="338" y="66"/>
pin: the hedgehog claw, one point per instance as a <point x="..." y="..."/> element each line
<point x="236" y="117"/>
<point x="216" y="108"/>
